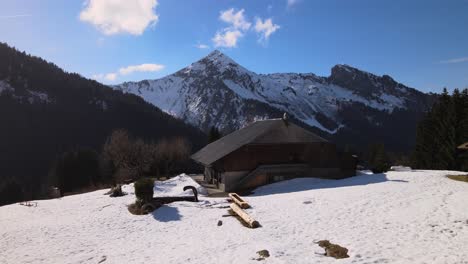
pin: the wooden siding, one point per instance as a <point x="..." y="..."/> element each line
<point x="249" y="157"/>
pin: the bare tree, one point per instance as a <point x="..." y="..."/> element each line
<point x="130" y="157"/>
<point x="172" y="152"/>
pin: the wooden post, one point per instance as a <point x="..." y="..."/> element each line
<point x="246" y="217"/>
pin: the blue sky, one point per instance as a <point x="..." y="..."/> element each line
<point x="421" y="43"/>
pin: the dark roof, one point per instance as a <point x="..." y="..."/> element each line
<point x="270" y="131"/>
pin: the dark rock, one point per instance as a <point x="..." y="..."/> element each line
<point x="220" y="223"/>
<point x="116" y="191"/>
<point x="333" y="250"/>
<point x="263" y="254"/>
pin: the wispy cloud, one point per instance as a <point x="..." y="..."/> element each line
<point x="228" y="37"/>
<point x="107" y="77"/>
<point x="456" y="60"/>
<point x="146" y="67"/>
<point x="202" y="46"/>
<point x="120" y="16"/>
<point x="113" y="76"/>
<point x="14" y="16"/>
<point x="265" y="28"/>
<point x="239" y="26"/>
<point x="236" y="19"/>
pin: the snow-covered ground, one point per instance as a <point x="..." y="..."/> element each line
<point x="398" y="217"/>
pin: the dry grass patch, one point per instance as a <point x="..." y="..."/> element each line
<point x="463" y="178"/>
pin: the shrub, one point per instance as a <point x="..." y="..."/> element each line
<point x="378" y="159"/>
<point x="380" y="168"/>
<point x="144" y="190"/>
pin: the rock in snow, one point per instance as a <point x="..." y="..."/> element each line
<point x="398" y="217"/>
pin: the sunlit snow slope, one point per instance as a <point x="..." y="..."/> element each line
<point x="399" y="217"/>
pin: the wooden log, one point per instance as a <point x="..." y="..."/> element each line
<point x="252" y="223"/>
<point x="239" y="201"/>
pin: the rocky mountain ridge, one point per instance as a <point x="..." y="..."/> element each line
<point x="217" y="91"/>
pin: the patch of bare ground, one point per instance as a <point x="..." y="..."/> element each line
<point x="463" y="178"/>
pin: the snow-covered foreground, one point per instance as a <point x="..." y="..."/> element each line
<point x="398" y="217"/>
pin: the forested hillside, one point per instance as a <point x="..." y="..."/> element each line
<point x="45" y="112"/>
<point x="443" y="129"/>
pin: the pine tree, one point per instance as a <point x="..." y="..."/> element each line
<point x="378" y="158"/>
<point x="445" y="133"/>
<point x="462" y="128"/>
<point x="442" y="130"/>
<point x="213" y="134"/>
<point x="423" y="155"/>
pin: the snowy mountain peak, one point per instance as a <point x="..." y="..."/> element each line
<point x="217" y="55"/>
<point x="217" y="91"/>
<point x="220" y="61"/>
<point x="345" y="67"/>
<point x="347" y="70"/>
<point x="215" y="63"/>
<point x="214" y="54"/>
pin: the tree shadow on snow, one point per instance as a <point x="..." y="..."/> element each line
<point x="304" y="184"/>
<point x="166" y="214"/>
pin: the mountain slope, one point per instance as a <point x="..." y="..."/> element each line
<point x="216" y="91"/>
<point x="45" y="111"/>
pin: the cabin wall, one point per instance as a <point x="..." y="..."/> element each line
<point x="249" y="157"/>
<point x="282" y="162"/>
<point x="230" y="179"/>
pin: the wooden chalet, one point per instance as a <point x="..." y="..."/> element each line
<point x="268" y="151"/>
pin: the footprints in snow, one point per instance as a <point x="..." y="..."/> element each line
<point x="457" y="224"/>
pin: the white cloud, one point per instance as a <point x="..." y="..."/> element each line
<point x="202" y="46"/>
<point x="97" y="76"/>
<point x="236" y="19"/>
<point x="238" y="24"/>
<point x="227" y="39"/>
<point x="120" y="16"/>
<point x="265" y="28"/>
<point x="456" y="60"/>
<point x="112" y="76"/>
<point x="108" y="77"/>
<point x="146" y="67"/>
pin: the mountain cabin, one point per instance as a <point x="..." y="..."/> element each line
<point x="269" y="151"/>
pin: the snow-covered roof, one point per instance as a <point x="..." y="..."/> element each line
<point x="270" y="131"/>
